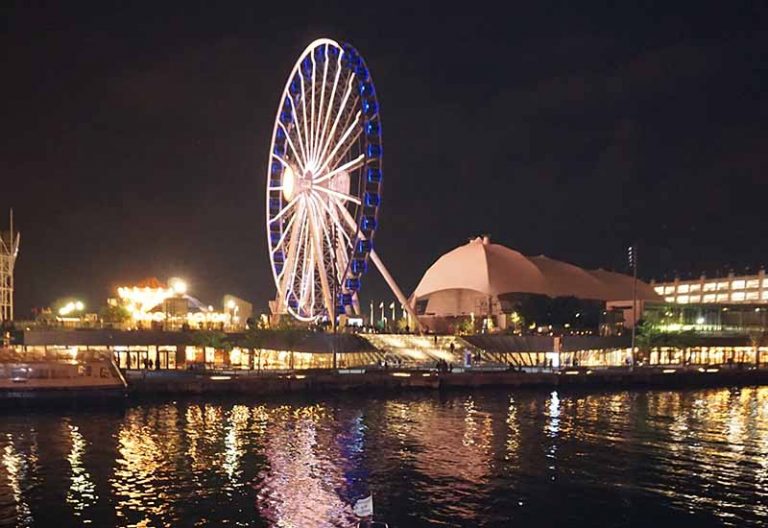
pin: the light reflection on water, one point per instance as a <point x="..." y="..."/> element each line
<point x="487" y="458"/>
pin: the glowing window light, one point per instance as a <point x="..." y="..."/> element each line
<point x="669" y="299"/>
<point x="683" y="288"/>
<point x="710" y="286"/>
<point x="722" y="285"/>
<point x="682" y="299"/>
<point x="695" y="287"/>
<point x="753" y="283"/>
<point x="753" y="296"/>
<point x="710" y="297"/>
<point x="738" y="284"/>
<point x="659" y="290"/>
<point x="722" y="297"/>
<point x="737" y="296"/>
<point x="695" y="298"/>
<point x="669" y="289"/>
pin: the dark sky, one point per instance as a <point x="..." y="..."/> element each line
<point x="133" y="140"/>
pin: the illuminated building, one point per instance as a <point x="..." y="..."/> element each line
<point x="733" y="289"/>
<point x="156" y="305"/>
<point x="735" y="304"/>
<point x="489" y="280"/>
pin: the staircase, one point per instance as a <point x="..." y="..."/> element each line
<point x="421" y="349"/>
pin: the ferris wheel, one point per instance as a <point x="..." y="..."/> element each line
<point x="324" y="183"/>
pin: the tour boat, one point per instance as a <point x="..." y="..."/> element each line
<point x="93" y="380"/>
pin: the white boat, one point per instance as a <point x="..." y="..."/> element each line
<point x="92" y="380"/>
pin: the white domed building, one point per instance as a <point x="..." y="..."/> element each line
<point x="481" y="279"/>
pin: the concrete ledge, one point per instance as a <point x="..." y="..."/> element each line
<point x="191" y="383"/>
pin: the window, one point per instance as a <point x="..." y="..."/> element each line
<point x="695" y="287"/>
<point x="695" y="298"/>
<point x="722" y="286"/>
<point x="659" y="290"/>
<point x="765" y="295"/>
<point x="672" y="299"/>
<point x="753" y="296"/>
<point x="737" y="296"/>
<point x="738" y="284"/>
<point x="709" y="286"/>
<point x="722" y="297"/>
<point x="669" y="289"/>
<point x="683" y="288"/>
<point x="753" y="283"/>
<point x="709" y="298"/>
<point x="682" y="299"/>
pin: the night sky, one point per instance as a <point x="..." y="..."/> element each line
<point x="133" y="140"/>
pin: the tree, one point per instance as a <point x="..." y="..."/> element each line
<point x="756" y="339"/>
<point x="115" y="314"/>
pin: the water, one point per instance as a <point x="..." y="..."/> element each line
<point x="487" y="458"/>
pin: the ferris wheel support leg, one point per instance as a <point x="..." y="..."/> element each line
<point x="355" y="304"/>
<point x="395" y="289"/>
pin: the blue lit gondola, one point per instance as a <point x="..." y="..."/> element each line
<point x="374" y="175"/>
<point x="370" y="107"/>
<point x="363" y="246"/>
<point x="359" y="266"/>
<point x="352" y="284"/>
<point x="372" y="128"/>
<point x="372" y="199"/>
<point x="374" y="151"/>
<point x="368" y="223"/>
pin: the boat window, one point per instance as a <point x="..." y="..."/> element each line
<point x="19" y="373"/>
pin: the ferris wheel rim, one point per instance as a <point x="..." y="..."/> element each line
<point x="309" y="155"/>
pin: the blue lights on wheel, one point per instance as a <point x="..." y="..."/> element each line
<point x="373" y="175"/>
<point x="372" y="199"/>
<point x="370" y="107"/>
<point x="368" y="224"/>
<point x="359" y="266"/>
<point x="338" y="66"/>
<point x="363" y="246"/>
<point x="352" y="284"/>
<point x="374" y="151"/>
<point x="372" y="128"/>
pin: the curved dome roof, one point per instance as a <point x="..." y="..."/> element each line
<point x="493" y="269"/>
<point x="487" y="268"/>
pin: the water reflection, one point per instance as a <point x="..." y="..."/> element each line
<point x="81" y="494"/>
<point x="17" y="472"/>
<point x="494" y="458"/>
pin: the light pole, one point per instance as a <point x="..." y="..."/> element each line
<point x="334" y="294"/>
<point x="633" y="263"/>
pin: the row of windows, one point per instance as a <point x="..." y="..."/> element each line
<point x="739" y="284"/>
<point x="717" y="297"/>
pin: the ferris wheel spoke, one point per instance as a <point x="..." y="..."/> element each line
<point x="299" y="159"/>
<point x="334" y="216"/>
<point x="318" y="232"/>
<point x="304" y="113"/>
<point x="284" y="210"/>
<point x="318" y="126"/>
<point x="286" y="230"/>
<point x="329" y="107"/>
<point x="352" y="128"/>
<point x="289" y="268"/>
<point x="339" y="113"/>
<point x="349" y="166"/>
<point x="305" y="154"/>
<point x="312" y="113"/>
<point x="339" y="195"/>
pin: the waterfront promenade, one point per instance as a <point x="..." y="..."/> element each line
<point x="214" y="382"/>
